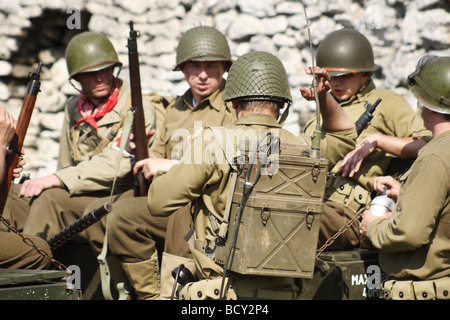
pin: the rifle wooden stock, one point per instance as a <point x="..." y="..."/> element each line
<point x="78" y="226"/>
<point x="140" y="140"/>
<point x="22" y="125"/>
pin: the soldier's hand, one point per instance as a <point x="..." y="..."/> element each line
<point x="381" y="183"/>
<point x="19" y="168"/>
<point x="323" y="83"/>
<point x="34" y="187"/>
<point x="353" y="160"/>
<point x="367" y="220"/>
<point x="131" y="146"/>
<point x="151" y="166"/>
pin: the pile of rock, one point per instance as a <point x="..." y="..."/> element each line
<point x="400" y="31"/>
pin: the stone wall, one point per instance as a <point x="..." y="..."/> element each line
<point x="38" y="30"/>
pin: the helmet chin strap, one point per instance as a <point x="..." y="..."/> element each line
<point x="285" y="114"/>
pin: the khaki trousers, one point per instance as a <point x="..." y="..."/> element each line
<point x="179" y="224"/>
<point x="16" y="254"/>
<point x="16" y="209"/>
<point x="53" y="210"/>
<point x="133" y="233"/>
<point x="176" y="249"/>
<point x="135" y="237"/>
<point x="334" y="217"/>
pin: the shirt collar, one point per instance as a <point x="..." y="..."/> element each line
<point x="258" y="119"/>
<point x="214" y="101"/>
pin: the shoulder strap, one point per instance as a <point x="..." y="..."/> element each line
<point x="114" y="129"/>
<point x="75" y="134"/>
<point x="231" y="154"/>
<point x="227" y="145"/>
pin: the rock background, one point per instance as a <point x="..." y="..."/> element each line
<point x="38" y="30"/>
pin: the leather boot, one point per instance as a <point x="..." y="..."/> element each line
<point x="144" y="277"/>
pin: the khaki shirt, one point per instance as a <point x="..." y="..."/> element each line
<point x="182" y="119"/>
<point x="394" y="117"/>
<point x="204" y="174"/>
<point x="97" y="168"/>
<point x="203" y="171"/>
<point x="414" y="242"/>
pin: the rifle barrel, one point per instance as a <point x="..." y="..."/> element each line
<point x="140" y="139"/>
<point x="78" y="226"/>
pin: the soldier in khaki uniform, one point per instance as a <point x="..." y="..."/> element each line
<point x="88" y="145"/>
<point x="134" y="236"/>
<point x="203" y="174"/>
<point x="347" y="56"/>
<point x="14" y="252"/>
<point x="414" y="240"/>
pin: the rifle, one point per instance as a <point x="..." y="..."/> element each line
<point x="140" y="183"/>
<point x="22" y="125"/>
<point x="78" y="226"/>
<point x="365" y="118"/>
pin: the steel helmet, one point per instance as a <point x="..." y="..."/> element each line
<point x="90" y="51"/>
<point x="202" y="44"/>
<point x="345" y="51"/>
<point x="430" y="83"/>
<point x="257" y="75"/>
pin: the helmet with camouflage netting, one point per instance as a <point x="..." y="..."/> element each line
<point x="90" y="51"/>
<point x="202" y="43"/>
<point x="257" y="75"/>
<point x="430" y="83"/>
<point x="345" y="51"/>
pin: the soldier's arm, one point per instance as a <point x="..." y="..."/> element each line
<point x="424" y="192"/>
<point x="405" y="148"/>
<point x="64" y="155"/>
<point x="184" y="182"/>
<point x="334" y="117"/>
<point x="97" y="173"/>
<point x="7" y="127"/>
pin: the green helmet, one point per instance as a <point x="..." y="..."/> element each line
<point x="257" y="76"/>
<point x="430" y="83"/>
<point x="202" y="44"/>
<point x="345" y="51"/>
<point x="90" y="51"/>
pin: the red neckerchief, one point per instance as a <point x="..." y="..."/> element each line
<point x="91" y="114"/>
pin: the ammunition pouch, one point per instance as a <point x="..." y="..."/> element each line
<point x="206" y="289"/>
<point x="438" y="289"/>
<point x="244" y="288"/>
<point x="347" y="192"/>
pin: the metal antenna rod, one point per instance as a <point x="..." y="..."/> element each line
<point x="317" y="132"/>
